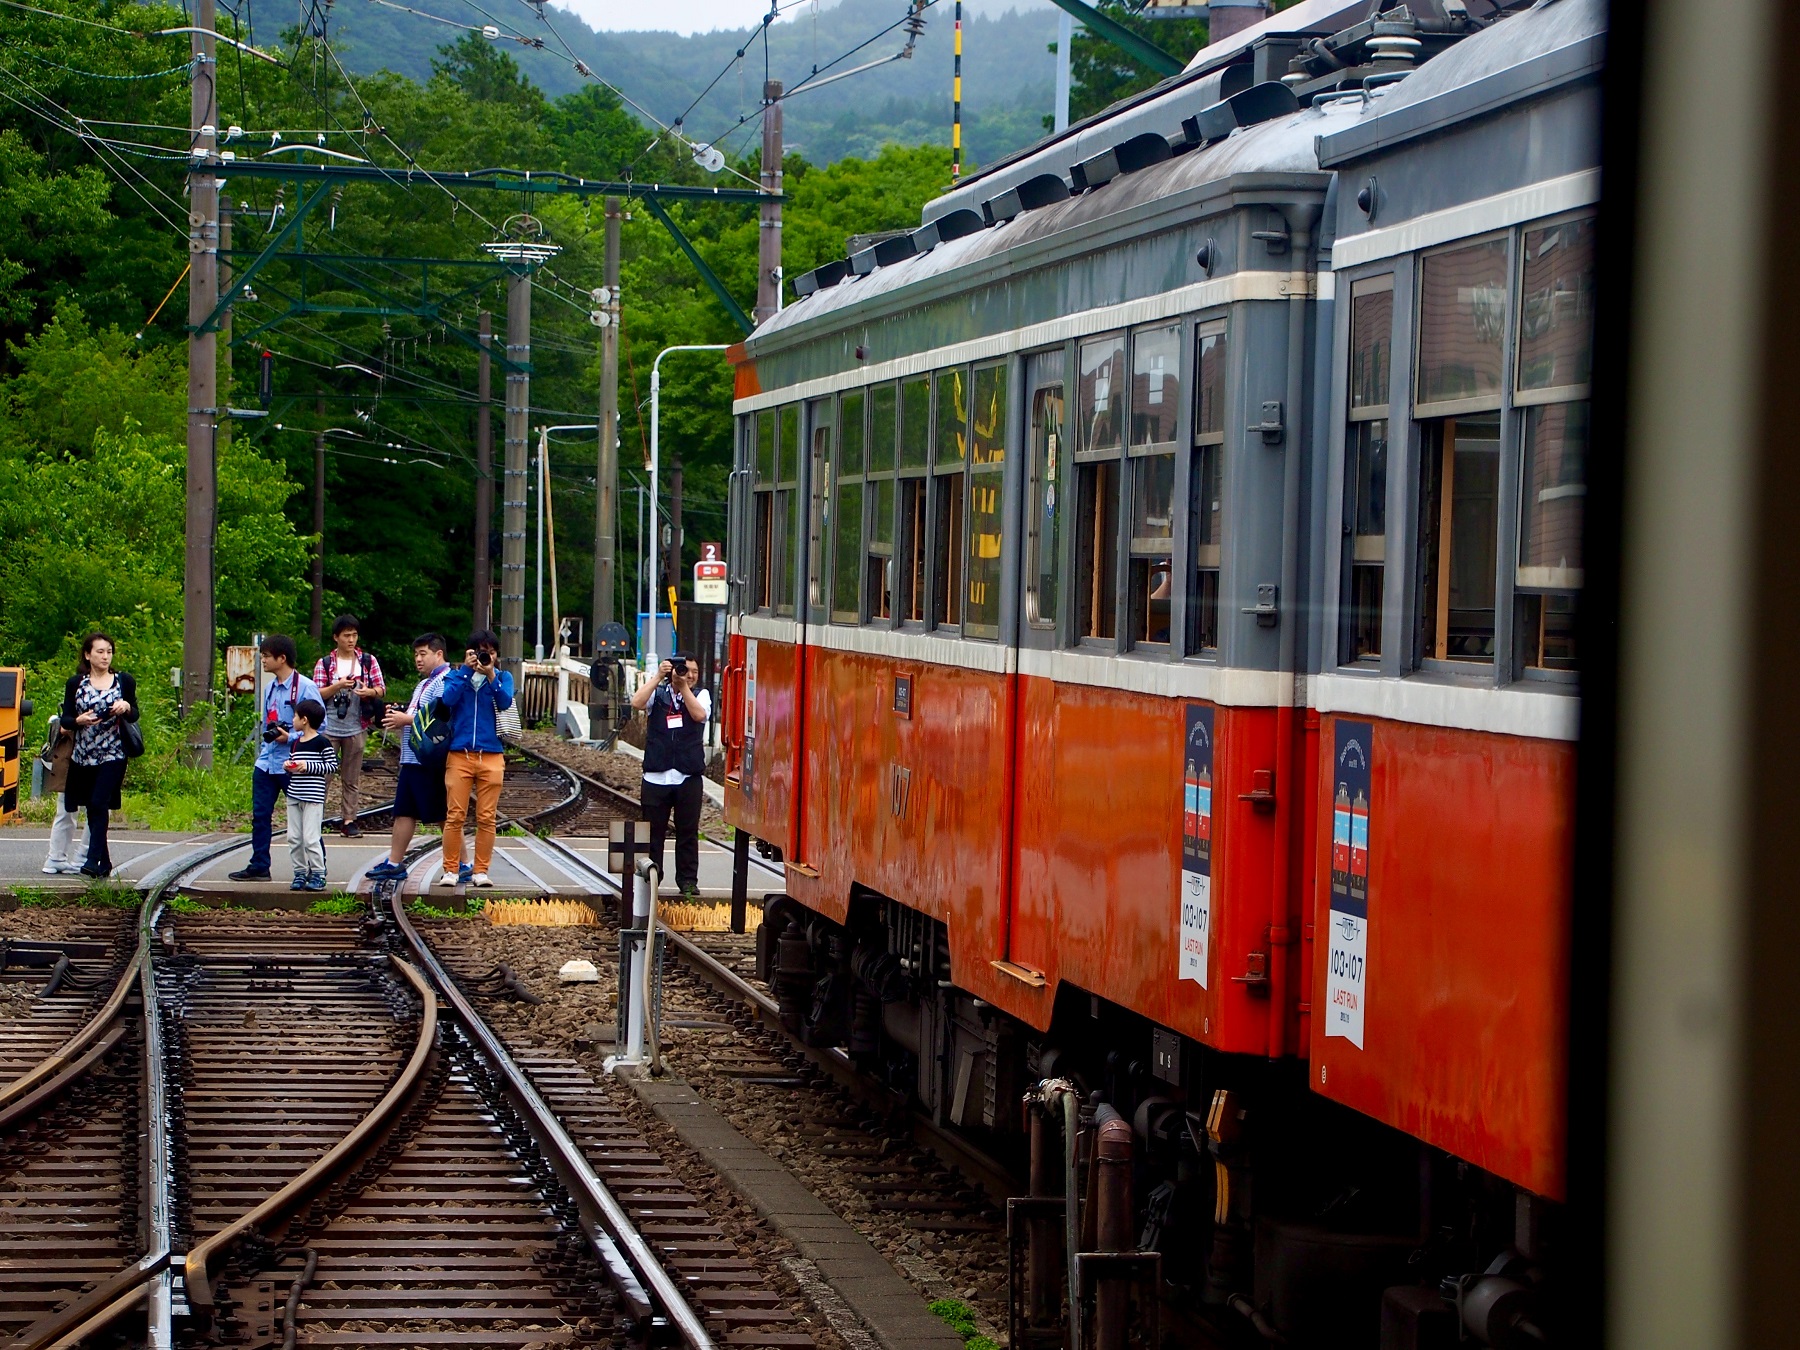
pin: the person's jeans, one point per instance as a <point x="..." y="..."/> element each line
<point x="685" y="801"/>
<point x="265" y="791"/>
<point x="62" y="833"/>
<point x="350" y="762"/>
<point x="107" y="778"/>
<point x="484" y="772"/>
<point x="306" y="836"/>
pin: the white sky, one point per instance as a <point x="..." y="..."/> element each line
<point x="699" y="16"/>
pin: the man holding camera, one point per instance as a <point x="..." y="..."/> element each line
<point x="474" y="695"/>
<point x="286" y="688"/>
<point x="674" y="764"/>
<point x="351" y="688"/>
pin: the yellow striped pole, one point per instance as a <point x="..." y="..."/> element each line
<point x="956" y="105"/>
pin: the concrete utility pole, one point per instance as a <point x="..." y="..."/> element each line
<point x="203" y="399"/>
<point x="512" y="519"/>
<point x="1065" y="39"/>
<point x="318" y="577"/>
<point x="606" y="475"/>
<point x="484" y="478"/>
<point x="768" y="252"/>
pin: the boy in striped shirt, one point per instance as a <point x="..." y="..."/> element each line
<point x="311" y="759"/>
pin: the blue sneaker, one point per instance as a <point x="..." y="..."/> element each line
<point x="465" y="874"/>
<point x="300" y="881"/>
<point x="316" y="882"/>
<point x="385" y="871"/>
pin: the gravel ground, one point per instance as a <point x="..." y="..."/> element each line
<point x="794" y="1124"/>
<point x="612" y="768"/>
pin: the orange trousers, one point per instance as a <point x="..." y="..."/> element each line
<point x="482" y="773"/>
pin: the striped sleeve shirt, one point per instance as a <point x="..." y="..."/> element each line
<point x="317" y="759"/>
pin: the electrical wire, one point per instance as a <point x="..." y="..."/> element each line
<point x="466" y="27"/>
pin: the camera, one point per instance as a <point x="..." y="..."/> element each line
<point x="678" y="665"/>
<point x="272" y="731"/>
<point x="485" y="657"/>
<point x="340" y="705"/>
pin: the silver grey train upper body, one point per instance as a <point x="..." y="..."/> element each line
<point x="1266" y="385"/>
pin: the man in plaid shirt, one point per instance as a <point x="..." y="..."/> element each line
<point x="351" y="687"/>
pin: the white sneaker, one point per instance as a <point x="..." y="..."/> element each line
<point x="480" y="879"/>
<point x="69" y="869"/>
<point x="448" y="879"/>
<point x="51" y="869"/>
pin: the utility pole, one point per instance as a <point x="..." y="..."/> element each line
<point x="512" y="519"/>
<point x="606" y="476"/>
<point x="768" y="251"/>
<point x="203" y="400"/>
<point x="484" y="478"/>
<point x="318" y="578"/>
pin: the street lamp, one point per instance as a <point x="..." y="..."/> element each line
<point x="543" y="494"/>
<point x="650" y="658"/>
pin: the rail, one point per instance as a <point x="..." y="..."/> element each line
<point x="647" y="1290"/>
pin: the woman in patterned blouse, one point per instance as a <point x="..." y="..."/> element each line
<point x="95" y="701"/>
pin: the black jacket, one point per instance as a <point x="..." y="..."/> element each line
<point x="127" y="690"/>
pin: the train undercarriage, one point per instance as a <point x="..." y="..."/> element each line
<point x="1215" y="1195"/>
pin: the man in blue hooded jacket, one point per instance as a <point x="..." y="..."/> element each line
<point x="475" y="694"/>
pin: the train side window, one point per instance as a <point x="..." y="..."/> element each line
<point x="1462" y="322"/>
<point x="1207" y="500"/>
<point x="1155" y="401"/>
<point x="949" y="454"/>
<point x="1365" y="465"/>
<point x="1555" y="354"/>
<point x="847" y="512"/>
<point x="763" y="582"/>
<point x="913" y="537"/>
<point x="878" y="568"/>
<point x="1459" y="512"/>
<point x="1042" y="537"/>
<point x="787" y="502"/>
<point x="1100" y="396"/>
<point x="819" y="503"/>
<point x="987" y="470"/>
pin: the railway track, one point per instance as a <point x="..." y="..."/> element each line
<point x="280" y="1132"/>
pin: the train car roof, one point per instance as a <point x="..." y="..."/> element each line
<point x="1281" y="152"/>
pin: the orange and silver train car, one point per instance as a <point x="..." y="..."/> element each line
<point x="1152" y="653"/>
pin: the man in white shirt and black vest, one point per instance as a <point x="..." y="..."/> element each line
<point x="675" y="763"/>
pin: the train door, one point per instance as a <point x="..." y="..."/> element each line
<point x="818" y="424"/>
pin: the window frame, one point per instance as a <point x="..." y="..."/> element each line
<point x="1478" y="403"/>
<point x="1136" y="464"/>
<point x="1116" y="456"/>
<point x="841" y="480"/>
<point x="789" y="418"/>
<point x="912" y="538"/>
<point x="1355" y="419"/>
<point x="980" y="477"/>
<point x="872" y="479"/>
<point x="1057" y="473"/>
<point x="1199" y="441"/>
<point x="941" y="473"/>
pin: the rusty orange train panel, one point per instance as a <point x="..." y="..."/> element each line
<point x="762" y="801"/>
<point x="1461" y="1005"/>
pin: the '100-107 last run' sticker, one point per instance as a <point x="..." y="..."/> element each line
<point x="1196" y="845"/>
<point x="1347" y="969"/>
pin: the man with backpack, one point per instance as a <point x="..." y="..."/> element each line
<point x="287" y="687"/>
<point x="419" y="793"/>
<point x="351" y="687"/>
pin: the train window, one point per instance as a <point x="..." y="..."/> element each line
<point x="1556" y="317"/>
<point x="850" y="436"/>
<point x="912" y="537"/>
<point x="987" y="465"/>
<point x="884" y="422"/>
<point x="1155" y="387"/>
<point x="1042" y="537"/>
<point x="787" y="494"/>
<point x="950" y="419"/>
<point x="846" y="553"/>
<point x="1365" y="465"/>
<point x="1462" y="322"/>
<point x="1206" y="488"/>
<point x="1458" y="537"/>
<point x="878" y="572"/>
<point x="763" y="510"/>
<point x="846" y="519"/>
<point x="819" y="503"/>
<point x="915" y="424"/>
<point x="1100" y="394"/>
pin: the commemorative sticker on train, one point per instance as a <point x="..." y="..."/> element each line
<point x="1196" y="845"/>
<point x="1347" y="968"/>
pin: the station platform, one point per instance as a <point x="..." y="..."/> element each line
<point x="522" y="867"/>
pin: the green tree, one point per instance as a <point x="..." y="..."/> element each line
<point x="1100" y="74"/>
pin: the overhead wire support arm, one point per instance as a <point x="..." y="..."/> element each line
<point x="501" y="180"/>
<point x="241" y="282"/>
<point x="1138" y="48"/>
<point x="711" y="278"/>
